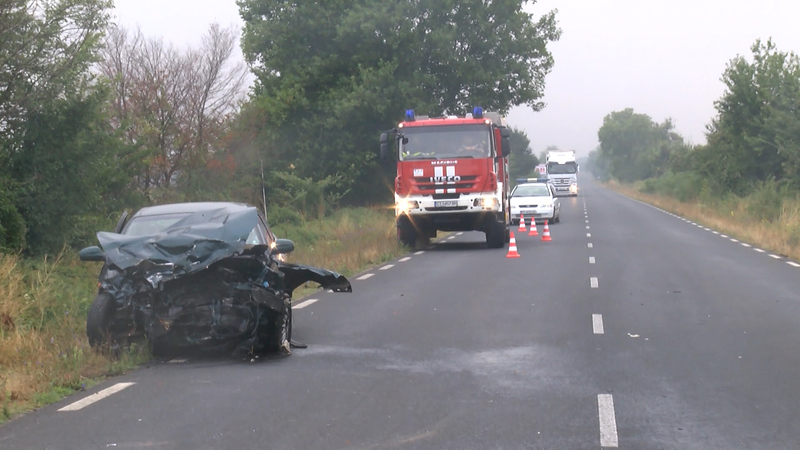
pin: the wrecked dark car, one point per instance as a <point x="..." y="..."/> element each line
<point x="197" y="277"/>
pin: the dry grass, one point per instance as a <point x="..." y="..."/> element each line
<point x="732" y="217"/>
<point x="44" y="352"/>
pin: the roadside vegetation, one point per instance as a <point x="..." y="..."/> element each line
<point x="745" y="181"/>
<point x="767" y="218"/>
<point x="43" y="306"/>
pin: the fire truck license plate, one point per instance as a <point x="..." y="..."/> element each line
<point x="528" y="212"/>
<point x="443" y="203"/>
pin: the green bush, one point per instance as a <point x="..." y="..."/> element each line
<point x="766" y="201"/>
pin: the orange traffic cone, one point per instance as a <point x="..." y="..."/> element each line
<point x="512" y="247"/>
<point x="521" y="224"/>
<point x="546" y="232"/>
<point x="534" y="231"/>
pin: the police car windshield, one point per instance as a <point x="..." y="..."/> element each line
<point x="443" y="142"/>
<point x="534" y="190"/>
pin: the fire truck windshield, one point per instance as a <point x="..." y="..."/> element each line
<point x="444" y="142"/>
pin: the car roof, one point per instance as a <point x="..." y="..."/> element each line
<point x="191" y="207"/>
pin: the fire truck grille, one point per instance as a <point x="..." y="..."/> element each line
<point x="434" y="187"/>
<point x="446" y="196"/>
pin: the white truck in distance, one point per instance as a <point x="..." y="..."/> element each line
<point x="562" y="170"/>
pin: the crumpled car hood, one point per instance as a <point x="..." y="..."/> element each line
<point x="190" y="245"/>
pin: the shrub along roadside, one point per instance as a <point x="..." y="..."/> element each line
<point x="769" y="217"/>
<point x="44" y="353"/>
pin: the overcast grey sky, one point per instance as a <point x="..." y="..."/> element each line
<point x="663" y="59"/>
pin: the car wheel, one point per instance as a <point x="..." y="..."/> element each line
<point x="99" y="320"/>
<point x="280" y="332"/>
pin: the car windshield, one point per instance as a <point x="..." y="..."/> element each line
<point x="560" y="169"/>
<point x="446" y="141"/>
<point x="144" y="225"/>
<point x="536" y="190"/>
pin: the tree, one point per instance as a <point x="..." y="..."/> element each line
<point x="330" y="76"/>
<point x="174" y="108"/>
<point x="633" y="147"/>
<point x="522" y="162"/>
<point x="53" y="148"/>
<point x="756" y="134"/>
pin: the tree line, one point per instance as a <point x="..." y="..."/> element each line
<point x="752" y="142"/>
<point x="95" y="118"/>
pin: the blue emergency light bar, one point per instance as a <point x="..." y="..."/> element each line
<point x="410" y="116"/>
<point x="477" y="112"/>
<point x="533" y="180"/>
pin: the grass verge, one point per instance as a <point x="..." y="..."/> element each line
<point x="44" y="352"/>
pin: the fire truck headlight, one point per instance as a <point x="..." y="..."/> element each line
<point x="407" y="205"/>
<point x="486" y="202"/>
<point x="573" y="188"/>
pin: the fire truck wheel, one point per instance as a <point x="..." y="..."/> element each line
<point x="495" y="235"/>
<point x="406" y="233"/>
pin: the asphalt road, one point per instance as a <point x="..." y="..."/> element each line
<point x="632" y="328"/>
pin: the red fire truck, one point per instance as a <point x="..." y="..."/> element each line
<point x="452" y="175"/>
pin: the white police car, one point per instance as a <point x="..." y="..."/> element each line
<point x="535" y="198"/>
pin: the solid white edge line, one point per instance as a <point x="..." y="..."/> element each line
<point x="591" y="260"/>
<point x="364" y="277"/>
<point x="302" y="305"/>
<point x="405" y="259"/>
<point x="597" y="324"/>
<point x="608" y="421"/>
<point x="774" y="256"/>
<point x="593" y="282"/>
<point x="96" y="397"/>
<point x="792" y="263"/>
<point x="387" y="267"/>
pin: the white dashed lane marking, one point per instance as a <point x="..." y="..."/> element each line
<point x="744" y="244"/>
<point x="792" y="263"/>
<point x="387" y="267"/>
<point x="593" y="282"/>
<point x="96" y="397"/>
<point x="591" y="260"/>
<point x="364" y="277"/>
<point x="734" y="240"/>
<point x="597" y="324"/>
<point x="774" y="256"/>
<point x="608" y="421"/>
<point x="590" y="245"/>
<point x="405" y="259"/>
<point x="759" y="250"/>
<point x="588" y="234"/>
<point x="308" y="302"/>
<point x="459" y="233"/>
<point x="420" y="252"/>
<point x="723" y="236"/>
